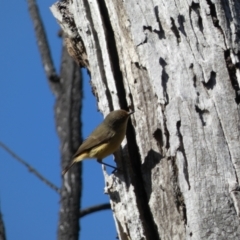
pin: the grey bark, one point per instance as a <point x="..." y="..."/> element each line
<point x="176" y="63"/>
<point x="67" y="113"/>
<point x="67" y="88"/>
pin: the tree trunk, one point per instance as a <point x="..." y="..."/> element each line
<point x="67" y="113"/>
<point x="176" y="63"/>
<point x="67" y="88"/>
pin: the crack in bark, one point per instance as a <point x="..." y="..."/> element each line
<point x="159" y="138"/>
<point x="194" y="78"/>
<point x="99" y="53"/>
<point x="113" y="54"/>
<point x="135" y="158"/>
<point x="210" y="84"/>
<point x="164" y="79"/>
<point x="175" y="30"/>
<point x="160" y="32"/>
<point x="140" y="67"/>
<point x="201" y="113"/>
<point x="213" y="13"/>
<point x="195" y="7"/>
<point x="195" y="81"/>
<point x="179" y="199"/>
<point x="181" y="20"/>
<point x="182" y="149"/>
<point x="230" y="66"/>
<point x="149" y="28"/>
<point x="232" y="74"/>
<point x="166" y="132"/>
<point x="227" y="144"/>
<point x="144" y="41"/>
<point x="215" y="20"/>
<point x="140" y="192"/>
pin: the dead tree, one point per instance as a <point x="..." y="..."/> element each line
<point x="67" y="88"/>
<point x="176" y="63"/>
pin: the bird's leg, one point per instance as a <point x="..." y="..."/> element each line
<point x="115" y="168"/>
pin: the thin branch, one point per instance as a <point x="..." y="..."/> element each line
<point x="42" y="42"/>
<point x="93" y="209"/>
<point x="29" y="167"/>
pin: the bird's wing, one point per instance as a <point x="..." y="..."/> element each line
<point x="96" y="138"/>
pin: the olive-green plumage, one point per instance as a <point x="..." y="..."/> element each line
<point x="104" y="140"/>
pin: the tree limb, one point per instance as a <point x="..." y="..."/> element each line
<point x="42" y="42"/>
<point x="29" y="167"/>
<point x="93" y="209"/>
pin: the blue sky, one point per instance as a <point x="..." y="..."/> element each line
<point x="29" y="207"/>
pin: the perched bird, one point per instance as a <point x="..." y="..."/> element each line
<point x="104" y="140"/>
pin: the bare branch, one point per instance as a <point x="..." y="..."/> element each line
<point x="67" y="111"/>
<point x="67" y="88"/>
<point x="2" y="228"/>
<point x="29" y="167"/>
<point x="93" y="209"/>
<point x="42" y="42"/>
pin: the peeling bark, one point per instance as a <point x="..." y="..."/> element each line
<point x="176" y="63"/>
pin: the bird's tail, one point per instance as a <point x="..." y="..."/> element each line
<point x="68" y="167"/>
<point x="76" y="159"/>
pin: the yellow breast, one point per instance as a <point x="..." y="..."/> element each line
<point x="110" y="147"/>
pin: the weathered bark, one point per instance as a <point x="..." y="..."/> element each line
<point x="176" y="63"/>
<point x="67" y="88"/>
<point x="67" y="113"/>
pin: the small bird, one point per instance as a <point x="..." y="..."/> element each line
<point x="104" y="140"/>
